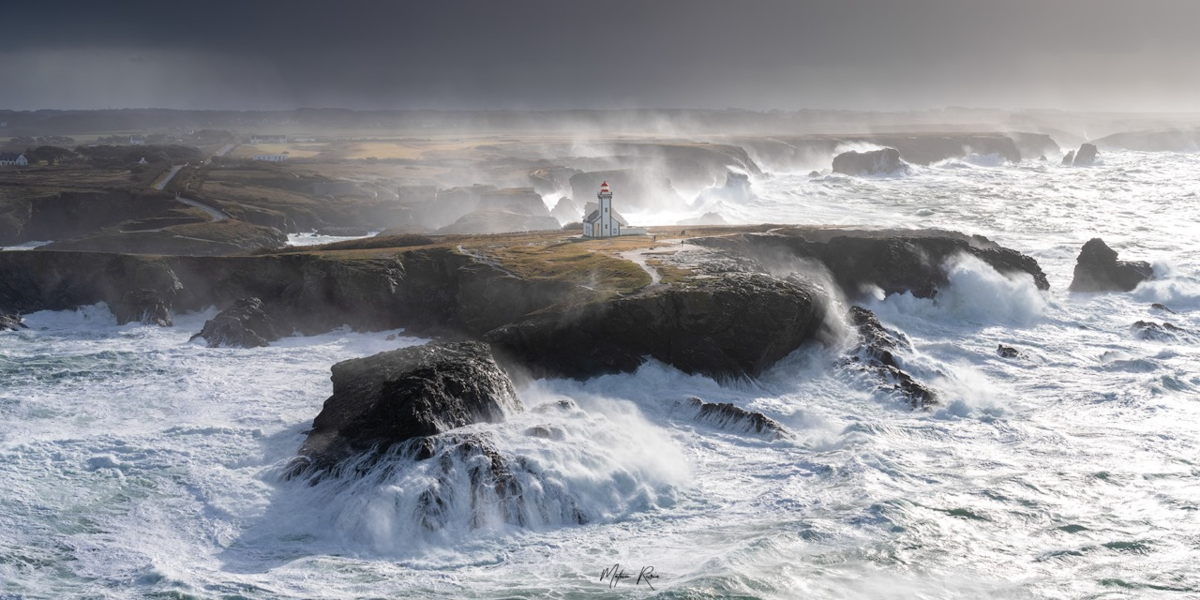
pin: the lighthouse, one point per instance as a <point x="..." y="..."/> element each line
<point x="603" y="222"/>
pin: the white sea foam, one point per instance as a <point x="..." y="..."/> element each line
<point x="135" y="464"/>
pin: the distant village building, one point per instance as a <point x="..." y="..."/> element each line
<point x="603" y="223"/>
<point x="143" y="161"/>
<point x="272" y="157"/>
<point x="268" y="139"/>
<point x="13" y="159"/>
<point x="137" y="140"/>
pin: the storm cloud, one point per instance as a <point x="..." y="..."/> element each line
<point x="852" y="54"/>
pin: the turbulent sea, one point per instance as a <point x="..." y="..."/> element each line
<point x="134" y="464"/>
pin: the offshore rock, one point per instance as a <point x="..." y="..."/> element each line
<point x="395" y="396"/>
<point x="877" y="351"/>
<point x="1007" y="351"/>
<point x="876" y="162"/>
<point x="1154" y="332"/>
<point x="12" y="323"/>
<point x="243" y="325"/>
<point x="730" y="417"/>
<point x="1069" y="159"/>
<point x="731" y="326"/>
<point x="1098" y="270"/>
<point x="1086" y="155"/>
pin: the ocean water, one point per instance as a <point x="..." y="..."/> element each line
<point x="135" y="464"/>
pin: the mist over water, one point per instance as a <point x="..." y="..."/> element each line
<point x="137" y="464"/>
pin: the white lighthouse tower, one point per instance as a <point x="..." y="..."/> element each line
<point x="603" y="222"/>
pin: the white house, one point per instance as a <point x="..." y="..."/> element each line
<point x="268" y="139"/>
<point x="603" y="223"/>
<point x="137" y="140"/>
<point x="9" y="159"/>
<point x="272" y="157"/>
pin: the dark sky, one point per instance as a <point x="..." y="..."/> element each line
<point x="855" y="54"/>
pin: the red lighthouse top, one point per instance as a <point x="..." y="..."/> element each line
<point x="604" y="187"/>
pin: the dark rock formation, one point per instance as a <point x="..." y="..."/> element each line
<point x="12" y="323"/>
<point x="1098" y="270"/>
<point x="1085" y="156"/>
<point x="729" y="326"/>
<point x="877" y="352"/>
<point x="876" y="162"/>
<point x="1162" y="307"/>
<point x="814" y="174"/>
<point x="244" y="325"/>
<point x="468" y="474"/>
<point x="1007" y="351"/>
<point x="732" y="418"/>
<point x="143" y="305"/>
<point x="391" y="397"/>
<point x="895" y="261"/>
<point x="1069" y="158"/>
<point x="1154" y="332"/>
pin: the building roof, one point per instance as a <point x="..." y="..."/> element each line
<point x="592" y="217"/>
<point x="10" y="155"/>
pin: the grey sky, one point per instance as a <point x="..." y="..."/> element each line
<point x="855" y="54"/>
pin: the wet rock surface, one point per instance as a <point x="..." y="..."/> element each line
<point x="877" y="353"/>
<point x="734" y="325"/>
<point x="1007" y="351"/>
<point x="876" y="162"/>
<point x="895" y="262"/>
<point x="392" y="397"/>
<point x="12" y="323"/>
<point x="143" y="305"/>
<point x="730" y="417"/>
<point x="246" y="324"/>
<point x="1098" y="270"/>
<point x="1157" y="332"/>
<point x="1086" y="156"/>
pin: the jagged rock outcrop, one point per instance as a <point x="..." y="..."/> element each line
<point x="875" y="162"/>
<point x="12" y="323"/>
<point x="1155" y="332"/>
<point x="877" y="352"/>
<point x="1069" y="158"/>
<point x="1085" y="156"/>
<point x="1007" y="351"/>
<point x="392" y="397"/>
<point x="142" y="305"/>
<point x="895" y="261"/>
<point x="731" y="417"/>
<point x="1098" y="270"/>
<point x="734" y="325"/>
<point x="244" y="325"/>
